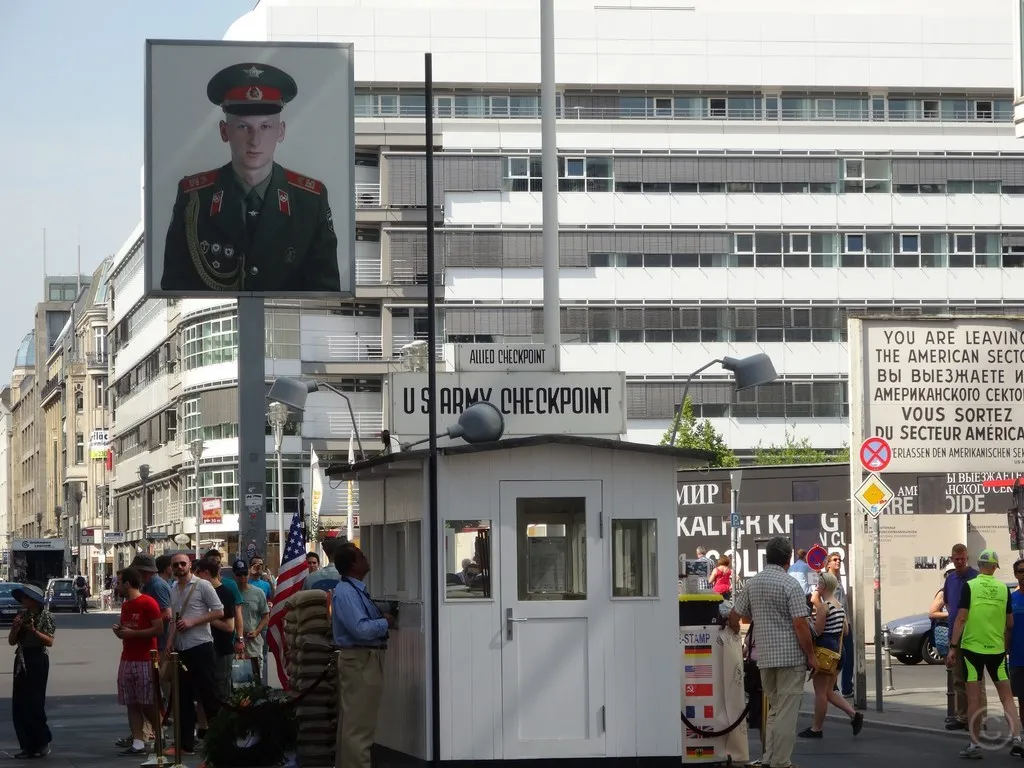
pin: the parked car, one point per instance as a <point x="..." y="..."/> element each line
<point x="60" y="595"/>
<point x="911" y="641"/>
<point x="9" y="607"/>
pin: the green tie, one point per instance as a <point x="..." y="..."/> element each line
<point x="253" y="204"/>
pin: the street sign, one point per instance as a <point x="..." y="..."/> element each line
<point x="817" y="556"/>
<point x="506" y="357"/>
<point x="875" y="454"/>
<point x="874" y="495"/>
<point x="734" y="520"/>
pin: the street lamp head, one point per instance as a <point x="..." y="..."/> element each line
<point x="278" y="413"/>
<point x="144" y="472"/>
<point x="752" y="371"/>
<point x="291" y="392"/>
<point x="195" y="448"/>
<point x="480" y="423"/>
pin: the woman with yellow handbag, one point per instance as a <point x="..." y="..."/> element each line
<point x="828" y="626"/>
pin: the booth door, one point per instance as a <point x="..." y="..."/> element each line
<point x="552" y="592"/>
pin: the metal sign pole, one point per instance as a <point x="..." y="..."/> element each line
<point x="877" y="557"/>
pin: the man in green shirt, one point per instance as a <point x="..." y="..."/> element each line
<point x="979" y="641"/>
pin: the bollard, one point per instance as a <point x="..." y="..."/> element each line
<point x="176" y="705"/>
<point x="950" y="695"/>
<point x="158" y="759"/>
<point x="888" y="659"/>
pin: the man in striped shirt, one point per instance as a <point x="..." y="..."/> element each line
<point x="777" y="605"/>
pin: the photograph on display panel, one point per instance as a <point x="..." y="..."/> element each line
<point x="249" y="178"/>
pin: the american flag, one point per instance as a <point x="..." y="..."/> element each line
<point x="289" y="581"/>
<point x="699" y="671"/>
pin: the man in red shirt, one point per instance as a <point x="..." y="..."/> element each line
<point x="140" y="625"/>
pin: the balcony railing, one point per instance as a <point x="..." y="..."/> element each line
<point x="367" y="195"/>
<point x="97" y="359"/>
<point x="367" y="271"/>
<point x="48" y="388"/>
<point x="366" y="423"/>
<point x="355" y="348"/>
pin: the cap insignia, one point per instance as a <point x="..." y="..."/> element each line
<point x="253" y="71"/>
<point x="254" y="94"/>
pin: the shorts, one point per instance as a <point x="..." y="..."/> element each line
<point x="974" y="665"/>
<point x="135" y="684"/>
<point x="1017" y="682"/>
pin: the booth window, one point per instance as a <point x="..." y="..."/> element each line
<point x="635" y="558"/>
<point x="467" y="559"/>
<point x="551" y="544"/>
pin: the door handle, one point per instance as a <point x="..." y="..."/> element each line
<point x="509" y="621"/>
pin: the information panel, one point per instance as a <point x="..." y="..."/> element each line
<point x="947" y="394"/>
<point x="532" y="403"/>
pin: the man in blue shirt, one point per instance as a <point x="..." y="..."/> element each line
<point x="951" y="589"/>
<point x="360" y="630"/>
<point x="1017" y="639"/>
<point x="802" y="572"/>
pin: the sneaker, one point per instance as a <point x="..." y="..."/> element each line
<point x="955" y="725"/>
<point x="43" y="752"/>
<point x="1017" y="747"/>
<point x="810" y="733"/>
<point x="169" y="752"/>
<point x="124" y="743"/>
<point x="972" y="752"/>
<point x="857" y="722"/>
<point x="130" y="751"/>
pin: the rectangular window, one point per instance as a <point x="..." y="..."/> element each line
<point x="635" y="558"/>
<point x="853" y="169"/>
<point x="744" y="243"/>
<point x="963" y="243"/>
<point x="910" y="243"/>
<point x="467" y="553"/>
<point x="799" y="242"/>
<point x="983" y="110"/>
<point x="855" y="243"/>
<point x="79" y="448"/>
<point x="551" y="541"/>
<point x="930" y="109"/>
<point x="100" y="392"/>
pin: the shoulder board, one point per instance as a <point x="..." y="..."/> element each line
<point x="199" y="181"/>
<point x="304" y="182"/>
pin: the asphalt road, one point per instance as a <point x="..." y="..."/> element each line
<point x="85" y="718"/>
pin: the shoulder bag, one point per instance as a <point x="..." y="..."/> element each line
<point x="828" y="660"/>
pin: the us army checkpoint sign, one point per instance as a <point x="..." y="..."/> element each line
<point x="873" y="494"/>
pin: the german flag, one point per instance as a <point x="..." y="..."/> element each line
<point x="708" y="751"/>
<point x="697" y="650"/>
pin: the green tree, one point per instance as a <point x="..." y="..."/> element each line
<point x="797" y="451"/>
<point x="701" y="435"/>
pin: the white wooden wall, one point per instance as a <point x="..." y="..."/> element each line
<point x="640" y="635"/>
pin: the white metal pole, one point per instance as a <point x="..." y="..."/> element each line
<point x="549" y="172"/>
<point x="199" y="502"/>
<point x="278" y="440"/>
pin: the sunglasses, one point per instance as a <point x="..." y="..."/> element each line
<point x="179" y="565"/>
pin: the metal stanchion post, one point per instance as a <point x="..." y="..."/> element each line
<point x="888" y="660"/>
<point x="950" y="695"/>
<point x="158" y="758"/>
<point x="176" y="704"/>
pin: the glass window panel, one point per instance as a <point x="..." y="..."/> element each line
<point x="551" y="539"/>
<point x="635" y="558"/>
<point x="467" y="559"/>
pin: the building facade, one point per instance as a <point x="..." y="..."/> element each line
<point x="35" y="475"/>
<point x="5" y="482"/>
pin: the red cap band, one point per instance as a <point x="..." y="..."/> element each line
<point x="252" y="93"/>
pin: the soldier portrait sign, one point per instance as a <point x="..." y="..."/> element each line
<point x="249" y="175"/>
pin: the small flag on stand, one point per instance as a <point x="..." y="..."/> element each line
<point x="289" y="581"/>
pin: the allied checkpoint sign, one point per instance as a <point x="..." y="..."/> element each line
<point x="945" y="393"/>
<point x="533" y="403"/>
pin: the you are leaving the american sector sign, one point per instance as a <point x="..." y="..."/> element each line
<point x="534" y="403"/>
<point x="947" y="393"/>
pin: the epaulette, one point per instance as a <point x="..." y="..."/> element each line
<point x="303" y="182"/>
<point x="199" y="180"/>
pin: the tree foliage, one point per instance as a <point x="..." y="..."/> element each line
<point x="700" y="435"/>
<point x="797" y="451"/>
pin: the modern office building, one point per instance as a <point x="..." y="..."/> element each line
<point x="733" y="179"/>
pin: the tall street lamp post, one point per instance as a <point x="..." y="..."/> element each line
<point x="278" y="416"/>
<point x="195" y="448"/>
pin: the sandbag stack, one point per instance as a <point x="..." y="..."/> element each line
<point x="308" y="637"/>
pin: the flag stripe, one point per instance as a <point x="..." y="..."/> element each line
<point x="291" y="576"/>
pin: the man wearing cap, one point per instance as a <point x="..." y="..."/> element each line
<point x="32" y="633"/>
<point x="255" y="617"/>
<point x="978" y="643"/>
<point x="251" y="225"/>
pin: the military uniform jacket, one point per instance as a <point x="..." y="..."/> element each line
<point x="294" y="247"/>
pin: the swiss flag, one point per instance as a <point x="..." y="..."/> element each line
<point x="110" y="459"/>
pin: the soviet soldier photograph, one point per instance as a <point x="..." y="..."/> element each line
<point x="252" y="224"/>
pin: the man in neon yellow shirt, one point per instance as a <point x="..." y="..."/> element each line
<point x="979" y="641"/>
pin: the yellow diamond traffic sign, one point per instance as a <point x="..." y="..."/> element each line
<point x="874" y="495"/>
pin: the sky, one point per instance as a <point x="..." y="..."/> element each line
<point x="71" y="127"/>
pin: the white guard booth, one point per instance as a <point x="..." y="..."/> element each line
<point x="557" y="598"/>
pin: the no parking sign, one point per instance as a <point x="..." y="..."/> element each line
<point x="817" y="556"/>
